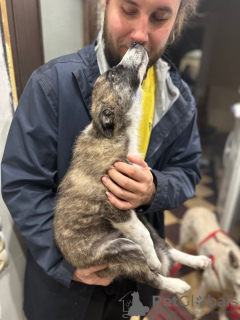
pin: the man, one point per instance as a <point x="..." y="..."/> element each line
<point x="53" y="110"/>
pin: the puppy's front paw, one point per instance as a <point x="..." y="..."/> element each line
<point x="202" y="262"/>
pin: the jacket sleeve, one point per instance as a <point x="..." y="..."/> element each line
<point x="176" y="181"/>
<point x="29" y="173"/>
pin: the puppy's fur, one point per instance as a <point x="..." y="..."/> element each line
<point x="88" y="229"/>
<point x="197" y="224"/>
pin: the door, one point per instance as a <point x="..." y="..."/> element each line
<point x="26" y="39"/>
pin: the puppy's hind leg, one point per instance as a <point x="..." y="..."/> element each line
<point x="195" y="262"/>
<point x="126" y="258"/>
<point x="134" y="229"/>
<point x="160" y="245"/>
<point x="164" y="250"/>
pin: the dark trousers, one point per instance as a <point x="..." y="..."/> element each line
<point x="112" y="302"/>
<point x="44" y="298"/>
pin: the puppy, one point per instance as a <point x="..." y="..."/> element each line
<point x="88" y="230"/>
<point x="223" y="279"/>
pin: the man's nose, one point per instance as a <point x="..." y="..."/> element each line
<point x="140" y="30"/>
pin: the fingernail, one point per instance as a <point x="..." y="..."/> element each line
<point x="104" y="179"/>
<point x="115" y="164"/>
<point x="108" y="194"/>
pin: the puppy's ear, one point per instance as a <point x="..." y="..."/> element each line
<point x="106" y="120"/>
<point x="233" y="260"/>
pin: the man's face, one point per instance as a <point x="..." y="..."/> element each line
<point x="148" y="22"/>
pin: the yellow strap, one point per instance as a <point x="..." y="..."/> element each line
<point x="148" y="102"/>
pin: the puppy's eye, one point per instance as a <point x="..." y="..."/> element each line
<point x="111" y="75"/>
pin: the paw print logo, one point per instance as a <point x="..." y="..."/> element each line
<point x="201" y="301"/>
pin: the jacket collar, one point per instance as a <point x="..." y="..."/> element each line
<point x="89" y="71"/>
<point x="175" y="76"/>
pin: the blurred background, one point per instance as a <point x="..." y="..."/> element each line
<point x="33" y="32"/>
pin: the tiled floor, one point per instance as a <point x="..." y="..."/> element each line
<point x="205" y="196"/>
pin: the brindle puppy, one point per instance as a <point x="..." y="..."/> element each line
<point x="88" y="230"/>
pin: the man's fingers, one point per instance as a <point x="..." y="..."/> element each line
<point x="94" y="280"/>
<point x="89" y="276"/>
<point x="137" y="173"/>
<point x="138" y="160"/>
<point x="89" y="271"/>
<point x="97" y="268"/>
<point x="104" y="281"/>
<point x="129" y="170"/>
<point x="120" y="183"/>
<point x="97" y="281"/>
<point x="130" y="186"/>
<point x="119" y="204"/>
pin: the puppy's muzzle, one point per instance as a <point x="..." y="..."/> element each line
<point x="136" y="58"/>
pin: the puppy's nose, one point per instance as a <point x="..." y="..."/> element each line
<point x="134" y="44"/>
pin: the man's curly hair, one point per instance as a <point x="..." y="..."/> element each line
<point x="186" y="10"/>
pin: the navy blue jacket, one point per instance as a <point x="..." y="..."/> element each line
<point x="53" y="110"/>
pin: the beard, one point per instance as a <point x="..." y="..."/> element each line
<point x="112" y="54"/>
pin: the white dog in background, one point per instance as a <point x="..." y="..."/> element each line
<point x="223" y="279"/>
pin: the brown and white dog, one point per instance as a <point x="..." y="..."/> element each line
<point x="223" y="279"/>
<point x="88" y="230"/>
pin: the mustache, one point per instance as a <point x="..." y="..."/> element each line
<point x="152" y="59"/>
<point x="126" y="44"/>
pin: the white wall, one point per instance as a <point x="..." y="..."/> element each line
<point x="11" y="278"/>
<point x="62" y="27"/>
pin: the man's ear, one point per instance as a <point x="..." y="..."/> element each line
<point x="106" y="121"/>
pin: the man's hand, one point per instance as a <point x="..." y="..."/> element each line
<point x="89" y="276"/>
<point x="133" y="187"/>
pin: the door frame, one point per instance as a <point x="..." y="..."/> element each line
<point x="26" y="39"/>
